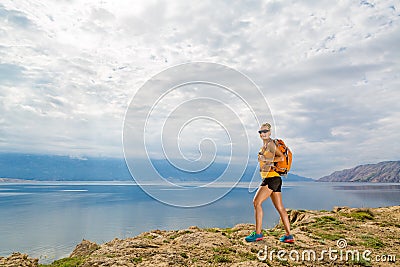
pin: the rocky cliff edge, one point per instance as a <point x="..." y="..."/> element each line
<point x="348" y="233"/>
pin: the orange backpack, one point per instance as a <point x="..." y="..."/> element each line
<point x="283" y="167"/>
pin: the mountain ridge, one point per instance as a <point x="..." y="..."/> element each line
<point x="381" y="172"/>
<point x="16" y="167"/>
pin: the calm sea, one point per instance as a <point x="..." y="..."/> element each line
<point x="47" y="220"/>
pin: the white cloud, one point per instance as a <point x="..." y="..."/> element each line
<point x="329" y="71"/>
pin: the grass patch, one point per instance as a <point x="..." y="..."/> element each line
<point x="66" y="262"/>
<point x="283" y="262"/>
<point x="221" y="254"/>
<point x="224" y="250"/>
<point x="327" y="223"/>
<point x="329" y="236"/>
<point x="173" y="236"/>
<point x="229" y="230"/>
<point x="372" y="242"/>
<point x="179" y="234"/>
<point x="327" y="220"/>
<point x="272" y="232"/>
<point x="360" y="262"/>
<point x="184" y="255"/>
<point x="361" y="214"/>
<point x="110" y="255"/>
<point x="389" y="224"/>
<point x="221" y="259"/>
<point x="298" y="247"/>
<point x="224" y="231"/>
<point x="351" y="243"/>
<point x="247" y="256"/>
<point x="137" y="260"/>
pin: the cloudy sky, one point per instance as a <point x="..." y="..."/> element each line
<point x="329" y="71"/>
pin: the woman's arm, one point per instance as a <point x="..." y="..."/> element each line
<point x="278" y="155"/>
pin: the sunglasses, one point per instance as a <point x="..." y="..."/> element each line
<point x="263" y="131"/>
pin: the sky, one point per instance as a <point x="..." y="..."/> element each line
<point x="328" y="70"/>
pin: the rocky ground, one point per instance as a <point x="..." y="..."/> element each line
<point x="343" y="236"/>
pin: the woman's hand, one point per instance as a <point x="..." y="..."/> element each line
<point x="264" y="159"/>
<point x="266" y="167"/>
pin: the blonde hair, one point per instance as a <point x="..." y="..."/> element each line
<point x="266" y="125"/>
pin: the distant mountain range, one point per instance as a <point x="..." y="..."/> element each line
<point x="297" y="178"/>
<point x="61" y="168"/>
<point x="64" y="168"/>
<point x="382" y="172"/>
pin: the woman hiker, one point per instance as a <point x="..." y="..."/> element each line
<point x="270" y="186"/>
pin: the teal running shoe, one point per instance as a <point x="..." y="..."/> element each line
<point x="253" y="237"/>
<point x="287" y="239"/>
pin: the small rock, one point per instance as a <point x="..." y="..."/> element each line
<point x="293" y="216"/>
<point x="18" y="259"/>
<point x="85" y="248"/>
<point x="337" y="209"/>
<point x="304" y="229"/>
<point x="159" y="232"/>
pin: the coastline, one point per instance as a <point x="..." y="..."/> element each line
<point x="375" y="230"/>
<point x="15" y="180"/>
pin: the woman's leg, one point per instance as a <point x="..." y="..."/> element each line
<point x="262" y="194"/>
<point x="276" y="198"/>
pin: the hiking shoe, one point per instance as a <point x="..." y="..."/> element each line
<point x="287" y="239"/>
<point x="253" y="237"/>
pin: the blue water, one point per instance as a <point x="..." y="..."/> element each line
<point x="47" y="220"/>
